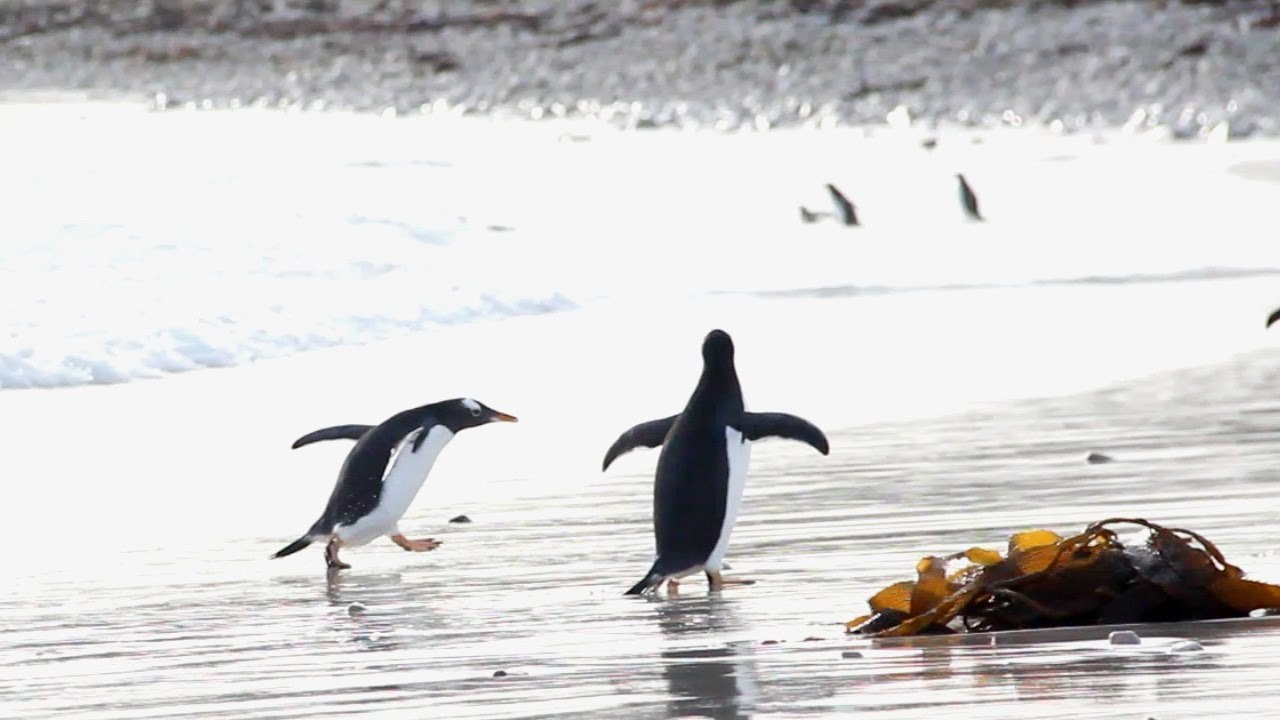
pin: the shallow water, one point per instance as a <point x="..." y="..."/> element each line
<point x="158" y="621"/>
<point x="145" y="511"/>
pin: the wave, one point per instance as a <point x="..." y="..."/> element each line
<point x="110" y="303"/>
<point x="121" y="264"/>
<point x="845" y="291"/>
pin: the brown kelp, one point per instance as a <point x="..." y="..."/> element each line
<point x="1045" y="581"/>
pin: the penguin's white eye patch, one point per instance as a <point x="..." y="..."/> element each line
<point x="471" y="405"/>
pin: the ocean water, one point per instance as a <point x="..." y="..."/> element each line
<point x="139" y="245"/>
<point x="186" y="293"/>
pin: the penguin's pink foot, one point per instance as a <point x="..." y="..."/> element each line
<point x="718" y="581"/>
<point x="415" y="545"/>
<point x="331" y="555"/>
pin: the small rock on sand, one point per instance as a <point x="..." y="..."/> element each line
<point x="460" y="519"/>
<point x="1096" y="457"/>
<point x="1124" y="637"/>
<point x="356" y="608"/>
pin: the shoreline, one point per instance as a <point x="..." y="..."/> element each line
<point x="723" y="65"/>
<point x="905" y="193"/>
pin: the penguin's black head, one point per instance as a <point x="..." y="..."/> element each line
<point x="717" y="348"/>
<point x="462" y="413"/>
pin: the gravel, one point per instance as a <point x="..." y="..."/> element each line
<point x="727" y="64"/>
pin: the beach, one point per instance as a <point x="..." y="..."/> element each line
<point x="1185" y="67"/>
<point x="153" y="596"/>
<point x="185" y="316"/>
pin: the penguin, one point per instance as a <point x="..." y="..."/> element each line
<point x="848" y="215"/>
<point x="369" y="498"/>
<point x="809" y="216"/>
<point x="337" y="432"/>
<point x="702" y="469"/>
<point x="968" y="199"/>
<point x="1273" y="317"/>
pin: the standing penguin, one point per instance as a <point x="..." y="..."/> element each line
<point x="968" y="199"/>
<point x="369" y="499"/>
<point x="702" y="468"/>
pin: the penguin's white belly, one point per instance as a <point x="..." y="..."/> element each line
<point x="400" y="486"/>
<point x="739" y="453"/>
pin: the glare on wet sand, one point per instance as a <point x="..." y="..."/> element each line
<point x="139" y="585"/>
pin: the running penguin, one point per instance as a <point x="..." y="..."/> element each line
<point x="369" y="498"/>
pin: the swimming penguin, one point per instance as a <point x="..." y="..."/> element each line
<point x="1274" y="316"/>
<point x="702" y="468"/>
<point x="369" y="499"/>
<point x="808" y="216"/>
<point x="968" y="199"/>
<point x="847" y="214"/>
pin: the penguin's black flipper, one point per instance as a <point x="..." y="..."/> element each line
<point x="1274" y="316"/>
<point x="337" y="432"/>
<point x="790" y="427"/>
<point x="647" y="434"/>
<point x="847" y="214"/>
<point x="423" y="433"/>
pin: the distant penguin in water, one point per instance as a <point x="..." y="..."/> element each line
<point x="702" y="468"/>
<point x="1273" y="317"/>
<point x="848" y="215"/>
<point x="369" y="499"/>
<point x="809" y="216"/>
<point x="968" y="199"/>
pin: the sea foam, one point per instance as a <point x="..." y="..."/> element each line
<point x="161" y="243"/>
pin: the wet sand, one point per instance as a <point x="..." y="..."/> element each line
<point x="147" y="511"/>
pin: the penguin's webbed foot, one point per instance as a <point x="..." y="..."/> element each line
<point x="673" y="587"/>
<point x="331" y="556"/>
<point x="717" y="581"/>
<point x="415" y="545"/>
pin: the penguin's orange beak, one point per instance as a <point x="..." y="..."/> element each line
<point x="504" y="417"/>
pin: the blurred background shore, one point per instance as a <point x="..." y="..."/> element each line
<point x="1183" y="66"/>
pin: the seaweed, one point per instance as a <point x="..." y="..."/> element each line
<point x="1045" y="580"/>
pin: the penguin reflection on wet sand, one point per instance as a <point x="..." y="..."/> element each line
<point x="702" y="469"/>
<point x="369" y="498"/>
